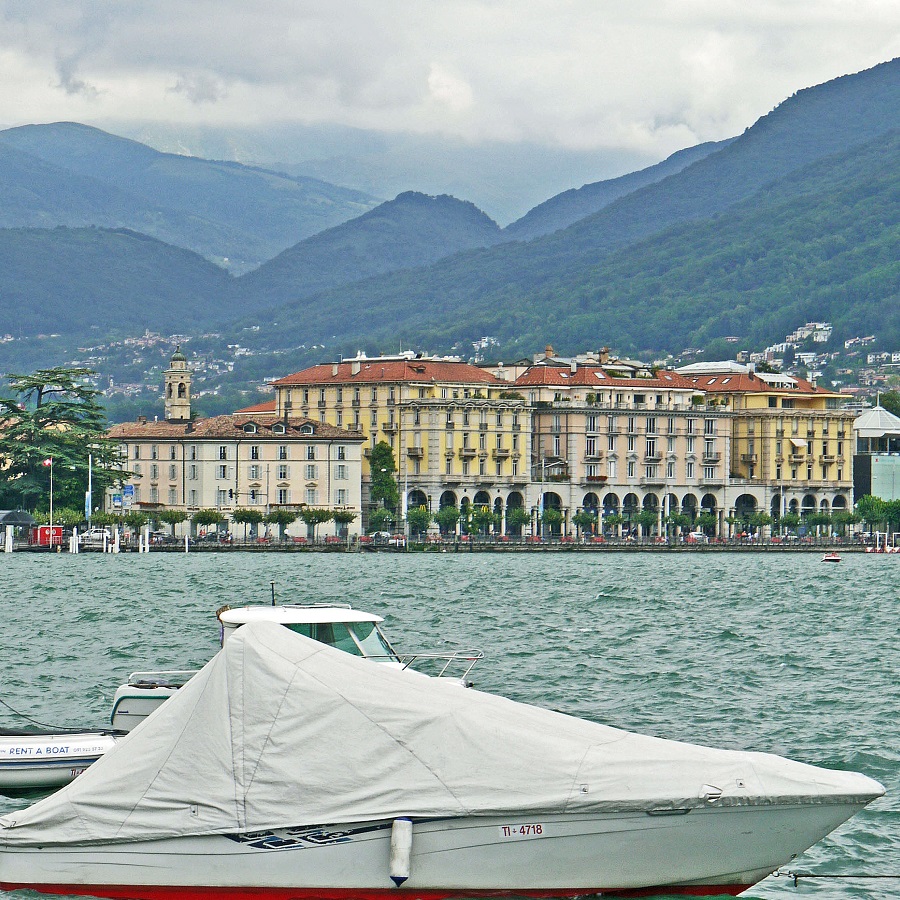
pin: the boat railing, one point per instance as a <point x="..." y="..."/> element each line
<point x="171" y="678"/>
<point x="448" y="663"/>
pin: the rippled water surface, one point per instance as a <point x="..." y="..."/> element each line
<point x="773" y="652"/>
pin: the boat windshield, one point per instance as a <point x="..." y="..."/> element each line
<point x="358" y="638"/>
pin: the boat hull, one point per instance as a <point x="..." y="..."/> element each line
<point x="701" y="852"/>
<point x="37" y="761"/>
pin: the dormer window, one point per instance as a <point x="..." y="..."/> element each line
<point x="250" y="428"/>
<point x="306" y="429"/>
<point x="278" y="428"/>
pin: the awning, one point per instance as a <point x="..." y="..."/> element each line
<point x="15" y="517"/>
<point x="800" y="445"/>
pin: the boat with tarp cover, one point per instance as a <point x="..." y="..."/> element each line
<point x="288" y="769"/>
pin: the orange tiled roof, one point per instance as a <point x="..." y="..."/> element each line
<point x="230" y="427"/>
<point x="744" y="383"/>
<point x="597" y="377"/>
<point x="375" y="371"/>
<point x="268" y="406"/>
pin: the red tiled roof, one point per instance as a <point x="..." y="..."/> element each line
<point x="375" y="371"/>
<point x="269" y="406"/>
<point x="749" y="383"/>
<point x="597" y="377"/>
<point x="230" y="427"/>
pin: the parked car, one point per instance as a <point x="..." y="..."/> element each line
<point x="94" y="537"/>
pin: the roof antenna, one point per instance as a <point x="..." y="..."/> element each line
<point x="272" y="586"/>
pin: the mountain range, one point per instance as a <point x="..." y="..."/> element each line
<point x="795" y="219"/>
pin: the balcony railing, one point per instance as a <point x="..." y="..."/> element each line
<point x="415" y="452"/>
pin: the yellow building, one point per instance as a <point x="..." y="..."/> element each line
<point x="791" y="445"/>
<point x="460" y="435"/>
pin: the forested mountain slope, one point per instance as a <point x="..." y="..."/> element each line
<point x="411" y="231"/>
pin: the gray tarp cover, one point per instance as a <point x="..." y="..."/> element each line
<point x="278" y="730"/>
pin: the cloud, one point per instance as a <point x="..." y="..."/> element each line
<point x="649" y="75"/>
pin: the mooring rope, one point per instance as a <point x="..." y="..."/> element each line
<point x="62" y="729"/>
<point x="796" y="876"/>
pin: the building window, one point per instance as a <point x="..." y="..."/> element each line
<point x="671" y="425"/>
<point x="312" y="497"/>
<point x="499" y="419"/>
<point x="282" y="451"/>
<point x="590" y="446"/>
<point x="482" y="440"/>
<point x="688" y="470"/>
<point x="254" y="497"/>
<point x="611" y="468"/>
<point x="137" y="451"/>
<point x="340" y="395"/>
<point x="373" y="419"/>
<point x="282" y="472"/>
<point x="341" y="452"/>
<point x="173" y="473"/>
<point x="465" y="467"/>
<point x="310" y="452"/>
<point x="254" y="452"/>
<point x="709" y="426"/>
<point x="172" y="452"/>
<point x="221" y="497"/>
<point x="154" y="472"/>
<point x="465" y="417"/>
<point x="154" y="494"/>
<point x="340" y="473"/>
<point x="709" y="472"/>
<point x="253" y="472"/>
<point x="515" y="442"/>
<point x="223" y="453"/>
<point x="192" y="473"/>
<point x="670" y="444"/>
<point x="341" y="496"/>
<point x="631" y="425"/>
<point x="312" y="471"/>
<point x="192" y="498"/>
<point x="630" y="442"/>
<point x="137" y="468"/>
<point x="173" y="496"/>
<point x="670" y="469"/>
<point x="651" y="425"/>
<point x="482" y="467"/>
<point x="193" y="452"/>
<point x="591" y="424"/>
<point x="448" y="466"/>
<point x="515" y="467"/>
<point x="651" y="446"/>
<point x="611" y="425"/>
<point x="611" y="442"/>
<point x="691" y="425"/>
<point x="631" y="469"/>
<point x="690" y="444"/>
<point x="650" y="472"/>
<point x="709" y="448"/>
<point x="557" y="445"/>
<point x="154" y="451"/>
<point x="339" y="418"/>
<point x="222" y="471"/>
<point x="284" y="495"/>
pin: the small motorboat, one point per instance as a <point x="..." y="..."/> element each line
<point x="286" y="769"/>
<point x="832" y="556"/>
<point x="35" y="759"/>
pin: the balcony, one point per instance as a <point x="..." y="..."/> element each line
<point x="450" y="426"/>
<point x="796" y="457"/>
<point x="654" y="481"/>
<point x="389" y="427"/>
<point x="654" y="457"/>
<point x="748" y="457"/>
<point x="501" y="453"/>
<point x="321" y="404"/>
<point x="415" y="452"/>
<point x="467" y="453"/>
<point x="482" y="426"/>
<point x="355" y="403"/>
<point x="828" y="459"/>
<point x="712" y="458"/>
<point x="594" y="479"/>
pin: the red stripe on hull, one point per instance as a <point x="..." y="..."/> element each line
<point x="162" y="892"/>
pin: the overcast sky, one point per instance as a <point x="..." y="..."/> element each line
<point x="648" y="75"/>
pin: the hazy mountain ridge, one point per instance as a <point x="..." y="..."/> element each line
<point x="571" y="206"/>
<point x="221" y="210"/>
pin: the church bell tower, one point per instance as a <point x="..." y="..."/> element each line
<point x="178" y="388"/>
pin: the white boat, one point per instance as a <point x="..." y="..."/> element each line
<point x="35" y="759"/>
<point x="352" y="630"/>
<point x="285" y="769"/>
<point x="833" y="556"/>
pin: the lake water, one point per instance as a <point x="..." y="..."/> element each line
<point x="771" y="652"/>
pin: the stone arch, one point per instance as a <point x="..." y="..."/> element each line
<point x="590" y="502"/>
<point x="651" y="502"/>
<point x="775" y="506"/>
<point x="416" y="498"/>
<point x="552" y="500"/>
<point x="611" y="505"/>
<point x="745" y="505"/>
<point x="809" y="505"/>
<point x="515" y="499"/>
<point x="839" y="502"/>
<point x="448" y="498"/>
<point x="709" y="504"/>
<point x="689" y="506"/>
<point x="824" y="505"/>
<point x="672" y="502"/>
<point x="794" y="507"/>
<point x="482" y="498"/>
<point x="182" y="390"/>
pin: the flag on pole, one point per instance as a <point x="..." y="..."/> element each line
<point x="47" y="462"/>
